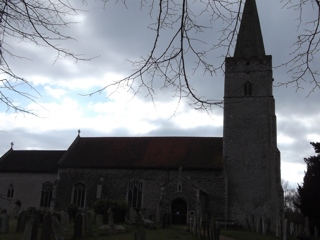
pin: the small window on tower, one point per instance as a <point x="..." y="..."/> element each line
<point x="247" y="89"/>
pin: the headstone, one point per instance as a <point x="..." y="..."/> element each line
<point x="16" y="210"/>
<point x="46" y="232"/>
<point x="56" y="228"/>
<point x="278" y="229"/>
<point x="111" y="222"/>
<point x="264" y="226"/>
<point x="285" y="229"/>
<point x="252" y="220"/>
<point x="4" y="222"/>
<point x="88" y="218"/>
<point x="35" y="226"/>
<point x="77" y="234"/>
<point x="291" y="229"/>
<point x="132" y="215"/>
<point x="140" y="234"/>
<point x="99" y="220"/>
<point x="28" y="230"/>
<point x="64" y="220"/>
<point x="22" y="221"/>
<point x="316" y="232"/>
<point x="307" y="227"/>
<point x="259" y="226"/>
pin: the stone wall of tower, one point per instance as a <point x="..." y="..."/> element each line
<point x="250" y="145"/>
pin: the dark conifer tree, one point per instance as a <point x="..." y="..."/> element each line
<point x="308" y="200"/>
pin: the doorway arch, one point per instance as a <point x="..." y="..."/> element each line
<point x="179" y="210"/>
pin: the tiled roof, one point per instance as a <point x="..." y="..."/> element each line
<point x="144" y="152"/>
<point x="31" y="161"/>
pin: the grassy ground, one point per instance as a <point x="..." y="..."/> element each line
<point x="172" y="233"/>
<point x="245" y="235"/>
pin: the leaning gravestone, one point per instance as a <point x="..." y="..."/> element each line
<point x="22" y="221"/>
<point x="56" y="228"/>
<point x="77" y="234"/>
<point x="46" y="232"/>
<point x="4" y="222"/>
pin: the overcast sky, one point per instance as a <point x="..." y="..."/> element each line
<point x="117" y="34"/>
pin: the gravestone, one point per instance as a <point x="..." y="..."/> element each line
<point x="16" y="210"/>
<point x="77" y="233"/>
<point x="291" y="229"/>
<point x="56" y="228"/>
<point x="307" y="227"/>
<point x="264" y="226"/>
<point x="278" y="230"/>
<point x="46" y="232"/>
<point x="4" y="222"/>
<point x="259" y="226"/>
<point x="99" y="220"/>
<point x="28" y="230"/>
<point x="64" y="220"/>
<point x="140" y="234"/>
<point x="22" y="221"/>
<point x="111" y="222"/>
<point x="131" y="215"/>
<point x="285" y="229"/>
<point x="88" y="218"/>
<point x="35" y="225"/>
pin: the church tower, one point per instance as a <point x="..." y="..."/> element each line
<point x="252" y="159"/>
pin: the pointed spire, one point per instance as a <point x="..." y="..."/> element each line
<point x="250" y="41"/>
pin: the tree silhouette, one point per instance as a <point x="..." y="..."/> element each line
<point x="309" y="192"/>
<point x="41" y="22"/>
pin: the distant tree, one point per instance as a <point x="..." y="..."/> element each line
<point x="291" y="212"/>
<point x="289" y="196"/>
<point x="42" y="23"/>
<point x="308" y="198"/>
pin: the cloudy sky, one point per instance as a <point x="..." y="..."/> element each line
<point x="115" y="34"/>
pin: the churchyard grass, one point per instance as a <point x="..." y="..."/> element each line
<point x="172" y="233"/>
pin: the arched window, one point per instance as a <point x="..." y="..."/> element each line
<point x="135" y="194"/>
<point x="247" y="91"/>
<point x="10" y="191"/>
<point x="79" y="194"/>
<point x="46" y="194"/>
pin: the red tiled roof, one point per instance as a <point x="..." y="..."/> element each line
<point x="31" y="161"/>
<point x="144" y="152"/>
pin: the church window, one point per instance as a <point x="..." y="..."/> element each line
<point x="135" y="194"/>
<point x="46" y="194"/>
<point x="247" y="89"/>
<point x="10" y="191"/>
<point x="79" y="194"/>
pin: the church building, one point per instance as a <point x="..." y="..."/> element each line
<point x="234" y="178"/>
